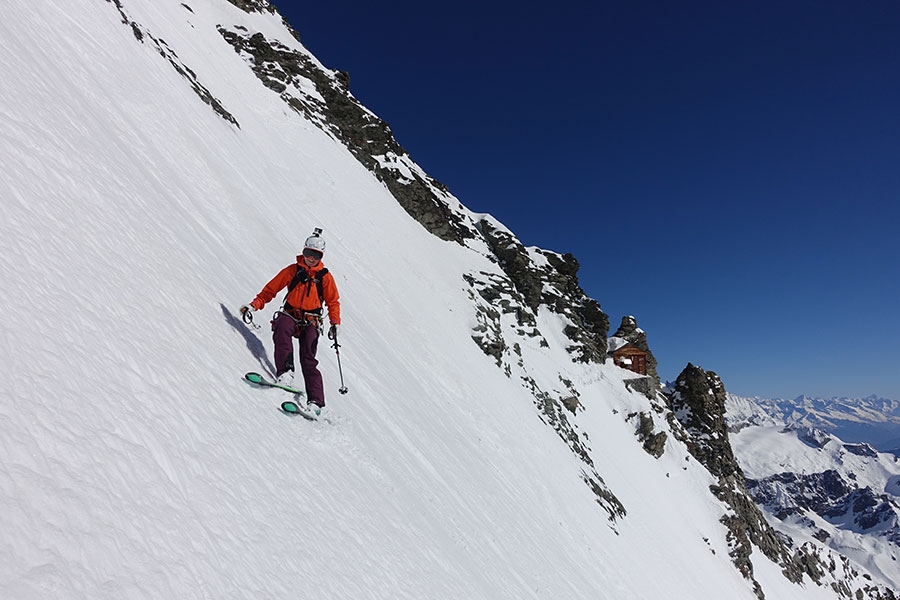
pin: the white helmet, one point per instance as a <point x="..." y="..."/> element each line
<point x="314" y="242"/>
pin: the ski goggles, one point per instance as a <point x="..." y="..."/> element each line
<point x="310" y="253"/>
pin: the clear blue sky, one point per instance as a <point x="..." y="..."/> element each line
<point x="728" y="173"/>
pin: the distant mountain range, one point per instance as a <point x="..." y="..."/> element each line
<point x="873" y="420"/>
<point x="815" y="484"/>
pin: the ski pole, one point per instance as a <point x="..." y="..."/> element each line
<point x="333" y="335"/>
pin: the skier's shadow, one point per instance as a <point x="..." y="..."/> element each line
<point x="253" y="344"/>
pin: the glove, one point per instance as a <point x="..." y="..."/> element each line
<point x="247" y="311"/>
<point x="332" y="332"/>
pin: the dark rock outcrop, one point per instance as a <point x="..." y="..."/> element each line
<point x="830" y="496"/>
<point x="861" y="450"/>
<point x="334" y="109"/>
<point x="654" y="442"/>
<point x="697" y="402"/>
<point x="554" y="285"/>
<point x="163" y="49"/>
<point x="506" y="322"/>
<point x="553" y="412"/>
<point x="251" y="6"/>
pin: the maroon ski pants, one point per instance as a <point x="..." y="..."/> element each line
<point x="284" y="329"/>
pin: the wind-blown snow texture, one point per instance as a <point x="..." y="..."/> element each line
<point x="135" y="463"/>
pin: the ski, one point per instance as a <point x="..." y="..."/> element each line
<point x="292" y="408"/>
<point x="288" y="407"/>
<point x="257" y="379"/>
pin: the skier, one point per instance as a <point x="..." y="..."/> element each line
<point x="309" y="285"/>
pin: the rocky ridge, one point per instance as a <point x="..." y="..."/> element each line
<point x="697" y="402"/>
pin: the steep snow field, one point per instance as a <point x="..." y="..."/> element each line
<point x="135" y="463"/>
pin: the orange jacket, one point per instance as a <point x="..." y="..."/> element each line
<point x="305" y="296"/>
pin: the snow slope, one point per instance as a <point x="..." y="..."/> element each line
<point x="135" y="463"/>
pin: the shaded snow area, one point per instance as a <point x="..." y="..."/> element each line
<point x="134" y="461"/>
